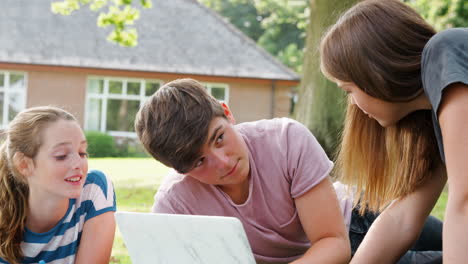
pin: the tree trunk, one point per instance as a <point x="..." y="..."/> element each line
<point x="320" y="103"/>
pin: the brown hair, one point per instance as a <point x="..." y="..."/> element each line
<point x="22" y="136"/>
<point x="173" y="123"/>
<point x="378" y="46"/>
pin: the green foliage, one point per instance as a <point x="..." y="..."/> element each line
<point x="291" y="56"/>
<point x="120" y="18"/>
<point x="130" y="147"/>
<point x="120" y="14"/>
<point x="276" y="25"/>
<point x="100" y="144"/>
<point x="104" y="145"/>
<point x="284" y="24"/>
<point x="442" y="14"/>
<point x="241" y="13"/>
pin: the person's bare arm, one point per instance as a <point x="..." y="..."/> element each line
<point x="453" y="118"/>
<point x="96" y="240"/>
<point x="400" y="224"/>
<point x="323" y="223"/>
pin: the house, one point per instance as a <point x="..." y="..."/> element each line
<point x="48" y="59"/>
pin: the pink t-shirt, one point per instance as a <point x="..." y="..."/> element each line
<point x="285" y="162"/>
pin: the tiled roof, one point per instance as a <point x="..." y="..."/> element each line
<point x="175" y="36"/>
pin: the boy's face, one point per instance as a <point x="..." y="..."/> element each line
<point x="224" y="159"/>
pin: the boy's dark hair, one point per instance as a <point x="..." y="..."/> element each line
<point x="173" y="123"/>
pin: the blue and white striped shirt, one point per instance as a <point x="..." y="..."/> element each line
<point x="60" y="244"/>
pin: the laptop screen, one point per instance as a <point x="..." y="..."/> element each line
<point x="166" y="238"/>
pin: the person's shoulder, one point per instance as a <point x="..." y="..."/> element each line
<point x="175" y="182"/>
<point x="450" y="35"/>
<point x="449" y="38"/>
<point x="270" y="126"/>
<point x="444" y="62"/>
<point x="98" y="195"/>
<point x="180" y="193"/>
<point x="97" y="177"/>
<point x="288" y="127"/>
<point x="98" y="184"/>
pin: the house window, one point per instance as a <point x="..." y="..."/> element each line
<point x="218" y="91"/>
<point x="112" y="103"/>
<point x="12" y="95"/>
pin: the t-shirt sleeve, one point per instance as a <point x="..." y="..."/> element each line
<point x="165" y="199"/>
<point x="444" y="62"/>
<point x="98" y="194"/>
<point x="307" y="162"/>
<point x="164" y="204"/>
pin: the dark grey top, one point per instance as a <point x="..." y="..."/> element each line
<point x="444" y="62"/>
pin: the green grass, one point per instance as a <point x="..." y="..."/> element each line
<point x="439" y="208"/>
<point x="136" y="180"/>
<point x="130" y="172"/>
<point x="138" y="199"/>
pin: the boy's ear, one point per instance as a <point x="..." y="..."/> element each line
<point x="228" y="113"/>
<point x="23" y="164"/>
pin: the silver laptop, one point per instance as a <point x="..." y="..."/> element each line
<point x="180" y="239"/>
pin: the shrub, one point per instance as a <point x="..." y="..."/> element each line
<point x="100" y="144"/>
<point x="130" y="147"/>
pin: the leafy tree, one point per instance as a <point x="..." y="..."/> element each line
<point x="442" y="14"/>
<point x="120" y="14"/>
<point x="321" y="105"/>
<point x="276" y="25"/>
<point x="285" y="23"/>
<point x="241" y="13"/>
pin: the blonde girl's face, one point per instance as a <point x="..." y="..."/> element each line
<point x="384" y="112"/>
<point x="61" y="164"/>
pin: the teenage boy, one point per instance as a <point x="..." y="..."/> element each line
<point x="270" y="174"/>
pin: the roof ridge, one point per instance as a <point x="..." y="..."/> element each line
<point x="205" y="45"/>
<point x="248" y="40"/>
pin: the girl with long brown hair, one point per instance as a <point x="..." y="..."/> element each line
<point x="52" y="209"/>
<point x="406" y="124"/>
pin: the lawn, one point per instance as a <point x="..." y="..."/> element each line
<point x="136" y="181"/>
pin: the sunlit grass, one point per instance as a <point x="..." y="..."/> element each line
<point x="130" y="172"/>
<point x="439" y="208"/>
<point x="135" y="180"/>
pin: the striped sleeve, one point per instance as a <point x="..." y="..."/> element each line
<point x="98" y="195"/>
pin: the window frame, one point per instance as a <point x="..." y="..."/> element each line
<point x="210" y="85"/>
<point x="6" y="89"/>
<point x="106" y="95"/>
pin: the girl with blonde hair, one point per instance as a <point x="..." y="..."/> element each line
<point x="52" y="209"/>
<point x="406" y="125"/>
